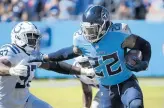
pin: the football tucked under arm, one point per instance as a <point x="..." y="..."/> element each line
<point x="132" y="55"/>
<point x="134" y="62"/>
<point x="138" y="43"/>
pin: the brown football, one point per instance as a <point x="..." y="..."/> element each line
<point x="133" y="53"/>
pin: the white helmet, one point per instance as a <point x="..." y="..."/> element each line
<point x="25" y="35"/>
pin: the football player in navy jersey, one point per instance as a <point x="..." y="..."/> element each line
<point x="105" y="44"/>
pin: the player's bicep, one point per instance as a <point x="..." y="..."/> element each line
<point x="137" y="42"/>
<point x="129" y="42"/>
<point x="144" y="46"/>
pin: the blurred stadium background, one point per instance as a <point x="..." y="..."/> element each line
<point x="59" y="19"/>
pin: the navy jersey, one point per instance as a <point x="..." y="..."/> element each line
<point x="107" y="56"/>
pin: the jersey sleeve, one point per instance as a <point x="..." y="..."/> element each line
<point x="10" y="52"/>
<point x="125" y="28"/>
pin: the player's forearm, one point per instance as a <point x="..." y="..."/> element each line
<point x="4" y="69"/>
<point x="63" y="67"/>
<point x="87" y="95"/>
<point x="87" y="100"/>
<point x="62" y="54"/>
<point x="145" y="47"/>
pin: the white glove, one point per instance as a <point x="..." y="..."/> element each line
<point x="19" y="70"/>
<point x="87" y="72"/>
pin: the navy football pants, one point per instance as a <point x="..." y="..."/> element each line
<point x="124" y="95"/>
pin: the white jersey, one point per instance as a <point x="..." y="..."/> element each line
<point x="14" y="90"/>
<point x="85" y="79"/>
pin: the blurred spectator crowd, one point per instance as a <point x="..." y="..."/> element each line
<point x="51" y="10"/>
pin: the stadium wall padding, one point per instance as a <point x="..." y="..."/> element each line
<point x="61" y="36"/>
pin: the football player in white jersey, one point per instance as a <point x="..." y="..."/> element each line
<point x="87" y="83"/>
<point x="16" y="72"/>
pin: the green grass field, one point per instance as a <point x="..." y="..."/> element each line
<point x="68" y="93"/>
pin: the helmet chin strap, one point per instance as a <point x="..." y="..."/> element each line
<point x="29" y="50"/>
<point x="25" y="47"/>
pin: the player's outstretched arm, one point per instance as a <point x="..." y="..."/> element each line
<point x="65" y="68"/>
<point x="87" y="95"/>
<point x="137" y="42"/>
<point x="60" y="55"/>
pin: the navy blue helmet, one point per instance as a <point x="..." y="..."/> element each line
<point x="94" y="23"/>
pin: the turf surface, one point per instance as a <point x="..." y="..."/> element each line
<point x="68" y="93"/>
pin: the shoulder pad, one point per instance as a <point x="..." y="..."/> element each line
<point x="9" y="49"/>
<point x="120" y="27"/>
<point x="78" y="33"/>
<point x="77" y="37"/>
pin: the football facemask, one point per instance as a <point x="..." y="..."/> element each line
<point x="32" y="39"/>
<point x="92" y="32"/>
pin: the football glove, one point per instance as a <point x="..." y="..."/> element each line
<point x="19" y="70"/>
<point x="139" y="66"/>
<point x="87" y="72"/>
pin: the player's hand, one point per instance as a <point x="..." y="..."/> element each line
<point x="139" y="66"/>
<point x="87" y="72"/>
<point x="19" y="69"/>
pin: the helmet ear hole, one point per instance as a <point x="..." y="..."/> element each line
<point x="17" y="37"/>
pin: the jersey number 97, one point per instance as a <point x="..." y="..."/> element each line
<point x="25" y="80"/>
